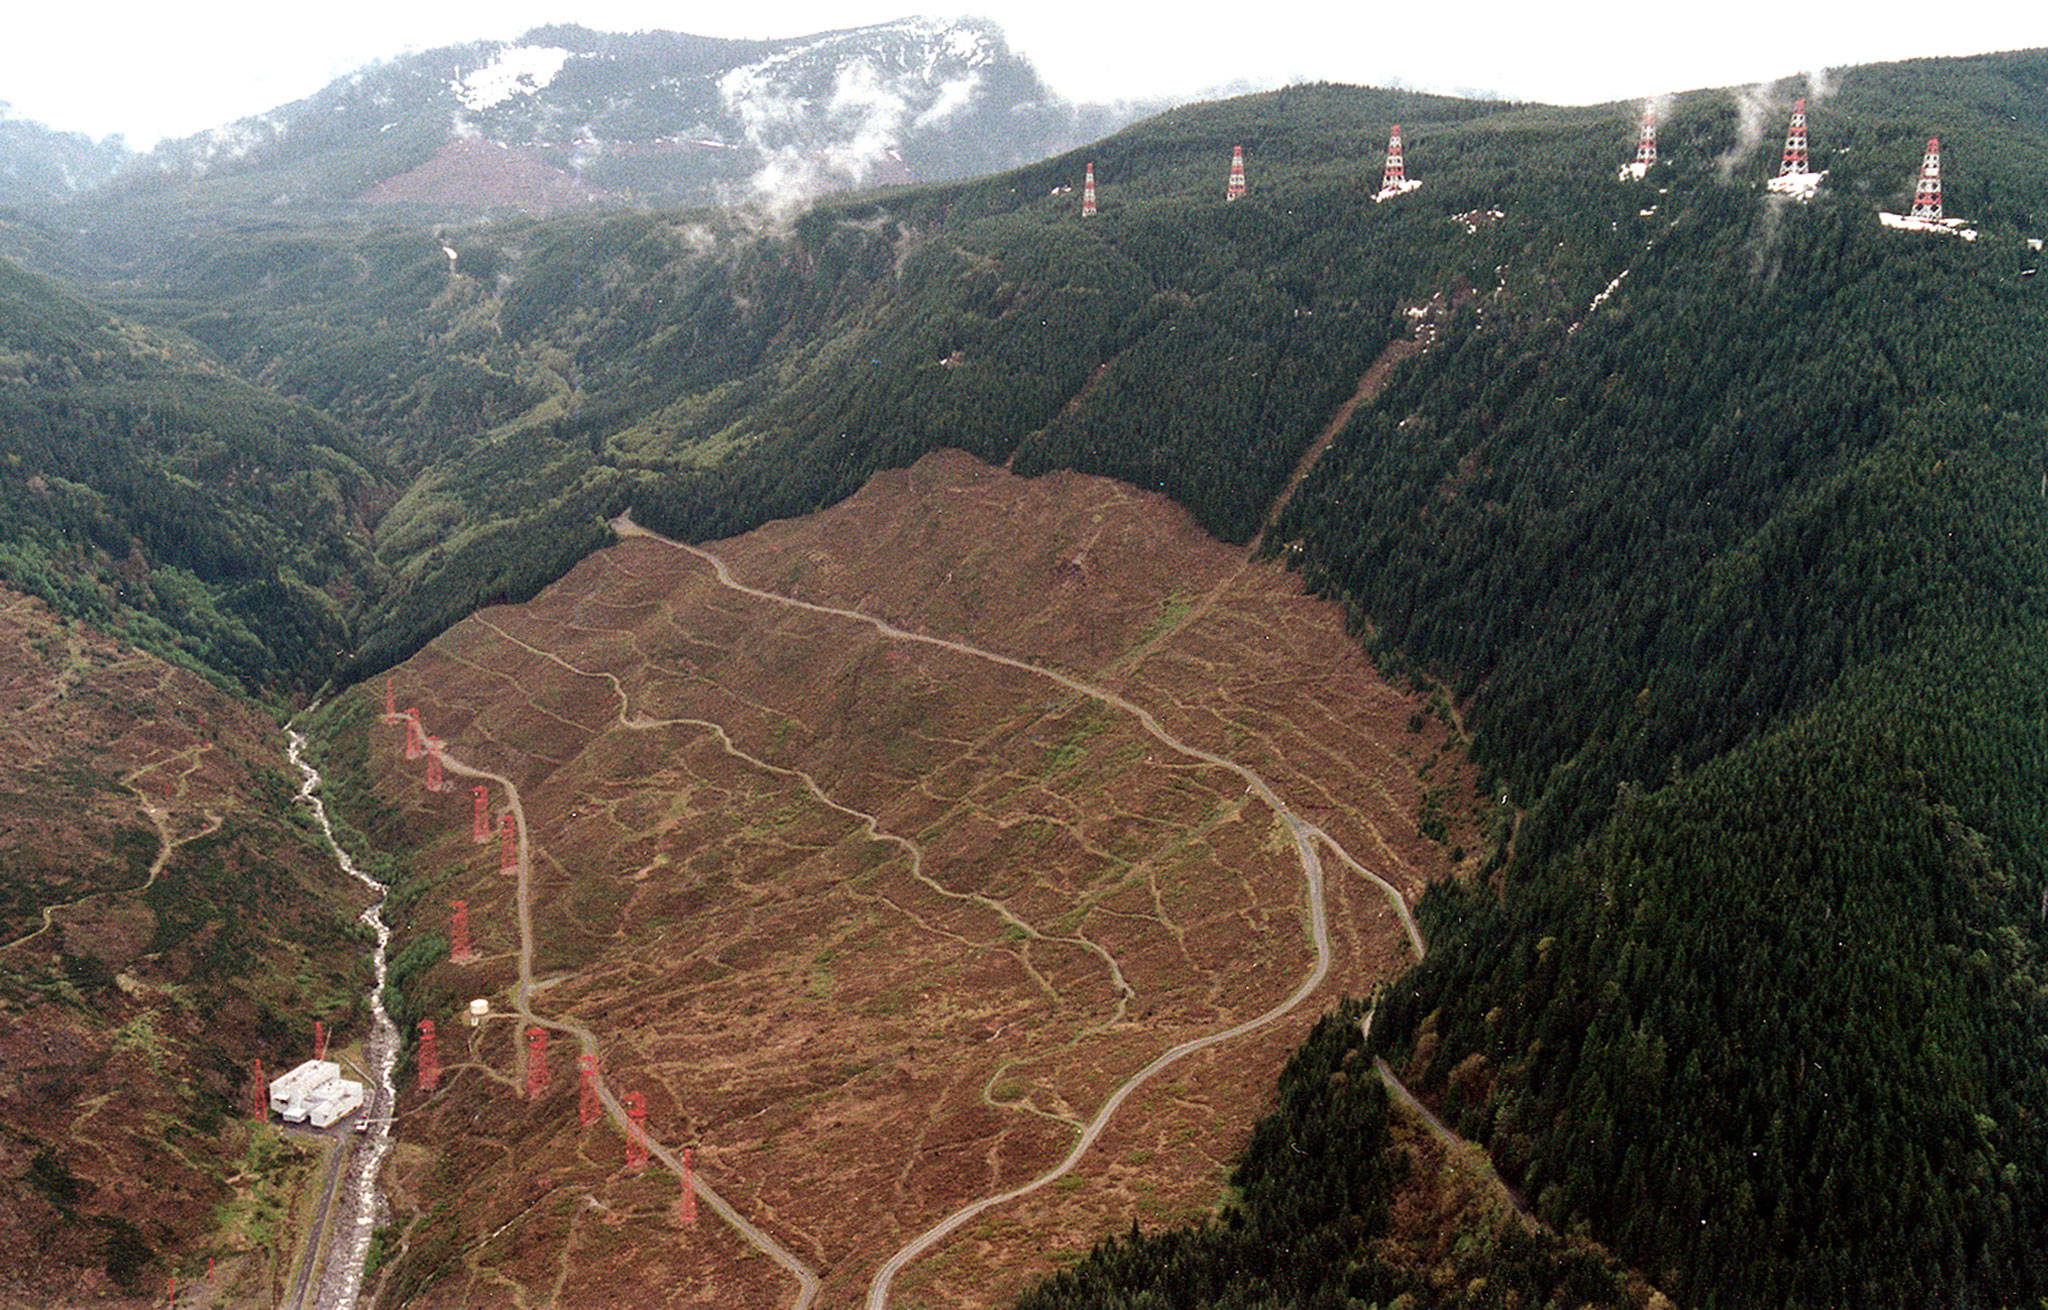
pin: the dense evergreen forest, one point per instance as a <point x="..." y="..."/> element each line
<point x="1723" y="512"/>
<point x="1746" y="574"/>
<point x="180" y="507"/>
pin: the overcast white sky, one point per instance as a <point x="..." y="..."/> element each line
<point x="170" y="70"/>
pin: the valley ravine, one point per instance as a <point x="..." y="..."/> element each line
<point x="348" y="1242"/>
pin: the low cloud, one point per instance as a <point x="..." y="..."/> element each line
<point x="1752" y="104"/>
<point x="845" y="137"/>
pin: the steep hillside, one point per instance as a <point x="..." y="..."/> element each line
<point x="878" y="922"/>
<point x="1743" y="568"/>
<point x="553" y="372"/>
<point x="1720" y="513"/>
<point x="165" y="921"/>
<point x="146" y="490"/>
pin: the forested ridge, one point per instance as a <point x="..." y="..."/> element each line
<point x="1744" y="573"/>
<point x="143" y="488"/>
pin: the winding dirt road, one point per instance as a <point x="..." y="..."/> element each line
<point x="167" y="846"/>
<point x="1309" y="842"/>
<point x="807" y="1279"/>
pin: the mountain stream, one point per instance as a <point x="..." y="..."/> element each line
<point x="355" y="1219"/>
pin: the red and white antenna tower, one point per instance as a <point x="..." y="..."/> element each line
<point x="259" y="1100"/>
<point x="429" y="1063"/>
<point x="1235" y="190"/>
<point x="508" y="845"/>
<point x="1395" y="180"/>
<point x="458" y="933"/>
<point x="415" y="740"/>
<point x="1794" y="162"/>
<point x="1646" y="137"/>
<point x="390" y="703"/>
<point x="686" y="1204"/>
<point x="587" y="1107"/>
<point x="480" y="825"/>
<point x="636" y="1136"/>
<point x="435" y="782"/>
<point x="1088" y="193"/>
<point x="1927" y="199"/>
<point x="536" y="1062"/>
<point x="319" y="1040"/>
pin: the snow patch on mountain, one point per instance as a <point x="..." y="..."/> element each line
<point x="518" y="70"/>
<point x="953" y="97"/>
<point x="865" y="92"/>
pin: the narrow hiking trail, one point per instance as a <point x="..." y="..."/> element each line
<point x="167" y="842"/>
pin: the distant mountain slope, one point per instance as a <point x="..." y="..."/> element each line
<point x="549" y="369"/>
<point x="40" y="165"/>
<point x="144" y="489"/>
<point x="648" y="118"/>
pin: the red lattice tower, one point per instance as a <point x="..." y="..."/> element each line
<point x="1646" y="137"/>
<point x="1395" y="175"/>
<point x="1794" y="162"/>
<point x="1235" y="190"/>
<point x="458" y="933"/>
<point x="1927" y="199"/>
<point x="319" y="1040"/>
<point x="390" y="702"/>
<point x="536" y="1062"/>
<point x="508" y="845"/>
<point x="435" y="782"/>
<point x="636" y="1136"/>
<point x="1088" y="193"/>
<point x="429" y="1058"/>
<point x="480" y="826"/>
<point x="587" y="1107"/>
<point x="259" y="1101"/>
<point x="415" y="740"/>
<point x="686" y="1204"/>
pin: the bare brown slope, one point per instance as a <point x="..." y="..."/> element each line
<point x="875" y="924"/>
<point x="483" y="174"/>
<point x="164" y="922"/>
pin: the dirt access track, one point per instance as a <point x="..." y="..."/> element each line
<point x="877" y="925"/>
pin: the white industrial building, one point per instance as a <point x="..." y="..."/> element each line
<point x="315" y="1093"/>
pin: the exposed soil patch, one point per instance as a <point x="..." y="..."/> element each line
<point x="876" y="925"/>
<point x="480" y="173"/>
